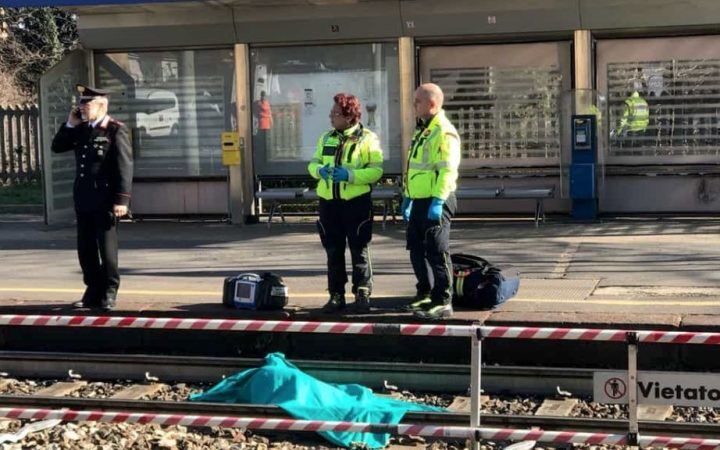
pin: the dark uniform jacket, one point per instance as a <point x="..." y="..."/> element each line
<point x="104" y="165"/>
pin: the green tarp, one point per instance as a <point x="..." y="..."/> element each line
<point x="280" y="383"/>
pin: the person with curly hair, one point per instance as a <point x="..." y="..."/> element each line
<point x="348" y="160"/>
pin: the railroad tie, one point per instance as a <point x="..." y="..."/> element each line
<point x="138" y="391"/>
<point x="556" y="408"/>
<point x="654" y="412"/>
<point x="462" y="404"/>
<point x="61" y="389"/>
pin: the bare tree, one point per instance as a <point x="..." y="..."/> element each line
<point x="31" y="41"/>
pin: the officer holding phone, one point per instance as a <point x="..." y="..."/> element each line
<point x="101" y="192"/>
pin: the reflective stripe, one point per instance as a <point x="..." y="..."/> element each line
<point x="374" y="166"/>
<point x="458" y="286"/>
<point x="428" y="166"/>
<point x="316" y="160"/>
<point x="421" y="166"/>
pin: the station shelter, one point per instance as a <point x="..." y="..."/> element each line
<point x="183" y="73"/>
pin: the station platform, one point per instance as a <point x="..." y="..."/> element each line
<point x="641" y="273"/>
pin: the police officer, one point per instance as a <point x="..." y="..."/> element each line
<point x="347" y="162"/>
<point x="429" y="203"/>
<point x="101" y="192"/>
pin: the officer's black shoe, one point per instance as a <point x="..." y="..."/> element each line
<point x="418" y="303"/>
<point x="435" y="312"/>
<point x="108" y="303"/>
<point x="81" y="304"/>
<point x="90" y="299"/>
<point x="335" y="304"/>
<point x="362" y="300"/>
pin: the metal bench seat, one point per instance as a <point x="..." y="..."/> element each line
<point x="539" y="194"/>
<point x="276" y="197"/>
<point x="477" y="193"/>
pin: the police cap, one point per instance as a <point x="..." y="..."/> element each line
<point x="89" y="92"/>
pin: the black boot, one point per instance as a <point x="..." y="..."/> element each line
<point x="362" y="300"/>
<point x="91" y="299"/>
<point x="335" y="303"/>
<point x="109" y="300"/>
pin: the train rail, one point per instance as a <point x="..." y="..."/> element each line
<point x="584" y="424"/>
<point x="433" y="378"/>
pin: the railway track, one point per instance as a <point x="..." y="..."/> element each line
<point x="681" y="429"/>
<point x="435" y="378"/>
<point x="449" y="378"/>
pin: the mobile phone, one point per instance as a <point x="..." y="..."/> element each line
<point x="76" y="112"/>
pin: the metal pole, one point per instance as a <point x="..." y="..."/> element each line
<point x="475" y="363"/>
<point x="632" y="440"/>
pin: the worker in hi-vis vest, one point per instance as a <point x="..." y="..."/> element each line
<point x="348" y="160"/>
<point x="636" y="114"/>
<point x="429" y="203"/>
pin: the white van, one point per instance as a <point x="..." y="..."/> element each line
<point x="158" y="113"/>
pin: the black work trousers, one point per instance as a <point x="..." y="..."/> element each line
<point x="97" y="246"/>
<point x="429" y="244"/>
<point x="347" y="222"/>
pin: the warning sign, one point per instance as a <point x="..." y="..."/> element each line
<point x="615" y="388"/>
<point x="659" y="388"/>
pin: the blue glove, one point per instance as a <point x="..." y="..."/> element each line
<point x="406" y="208"/>
<point x="340" y="174"/>
<point x="435" y="209"/>
<point x="325" y="172"/>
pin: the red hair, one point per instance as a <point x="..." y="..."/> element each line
<point x="350" y="106"/>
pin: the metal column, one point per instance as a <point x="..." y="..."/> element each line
<point x="241" y="179"/>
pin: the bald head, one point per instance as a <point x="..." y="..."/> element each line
<point x="428" y="100"/>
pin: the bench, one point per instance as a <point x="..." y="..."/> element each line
<point x="278" y="196"/>
<point x="539" y="194"/>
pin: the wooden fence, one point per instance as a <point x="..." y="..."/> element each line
<point x="19" y="144"/>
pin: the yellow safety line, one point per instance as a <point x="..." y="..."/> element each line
<point x="320" y="295"/>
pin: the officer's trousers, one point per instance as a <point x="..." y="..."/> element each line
<point x="429" y="245"/>
<point x="97" y="246"/>
<point x="351" y="222"/>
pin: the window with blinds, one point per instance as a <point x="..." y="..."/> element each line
<point x="503" y="114"/>
<point x="176" y="104"/>
<point x="504" y="99"/>
<point x="683" y="99"/>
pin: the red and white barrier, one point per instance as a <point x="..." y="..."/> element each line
<point x="453" y="432"/>
<point x="589" y="334"/>
<point x="164" y="323"/>
<point x="237" y="325"/>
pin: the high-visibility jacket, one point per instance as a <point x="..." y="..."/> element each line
<point x="636" y="115"/>
<point x="358" y="150"/>
<point x="433" y="160"/>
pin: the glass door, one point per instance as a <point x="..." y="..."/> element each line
<point x="57" y="92"/>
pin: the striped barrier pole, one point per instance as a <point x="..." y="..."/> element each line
<point x="160" y="323"/>
<point x="581" y="334"/>
<point x="453" y="432"/>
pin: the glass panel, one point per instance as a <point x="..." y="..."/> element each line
<point x="57" y="95"/>
<point x="176" y="103"/>
<point x="679" y="81"/>
<point x="503" y="99"/>
<point x="683" y="100"/>
<point x="298" y="85"/>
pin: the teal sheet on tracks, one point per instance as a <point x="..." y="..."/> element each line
<point x="281" y="383"/>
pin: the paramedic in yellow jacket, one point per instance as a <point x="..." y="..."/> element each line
<point x="347" y="162"/>
<point x="429" y="203"/>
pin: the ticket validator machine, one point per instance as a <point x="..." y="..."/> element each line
<point x="583" y="179"/>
